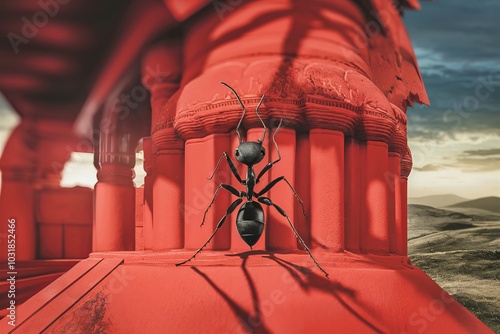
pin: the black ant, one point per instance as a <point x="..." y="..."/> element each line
<point x="250" y="218"/>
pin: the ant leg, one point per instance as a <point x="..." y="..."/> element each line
<point x="232" y="190"/>
<point x="219" y="224"/>
<point x="273" y="183"/>
<point x="268" y="202"/>
<point x="231" y="165"/>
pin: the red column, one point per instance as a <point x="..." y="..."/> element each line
<point x="374" y="230"/>
<point x="327" y="188"/>
<point x="55" y="143"/>
<point x="302" y="185"/>
<point x="161" y="74"/>
<point x="376" y="132"/>
<point x="402" y="204"/>
<point x="353" y="168"/>
<point x="168" y="156"/>
<point x="114" y="209"/>
<point x="280" y="235"/>
<point x="148" y="194"/>
<point x="114" y="195"/>
<point x="18" y="165"/>
<point x="203" y="155"/>
<point x="393" y="182"/>
<point x="400" y="167"/>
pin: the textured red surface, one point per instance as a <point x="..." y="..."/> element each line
<point x="256" y="292"/>
<point x="341" y="90"/>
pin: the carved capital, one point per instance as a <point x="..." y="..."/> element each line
<point x="309" y="93"/>
<point x="166" y="140"/>
<point x="399" y="142"/>
<point x="406" y="163"/>
<point x="116" y="174"/>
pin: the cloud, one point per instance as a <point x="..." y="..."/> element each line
<point x="481" y="152"/>
<point x="430" y="168"/>
<point x="476" y="165"/>
<point x="457" y="48"/>
<point x="457" y="31"/>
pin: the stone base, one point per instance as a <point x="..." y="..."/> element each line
<point x="255" y="291"/>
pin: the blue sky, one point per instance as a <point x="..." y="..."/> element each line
<point x="456" y="141"/>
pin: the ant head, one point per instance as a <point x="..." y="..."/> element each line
<point x="250" y="153"/>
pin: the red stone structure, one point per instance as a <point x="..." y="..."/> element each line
<point x="339" y="74"/>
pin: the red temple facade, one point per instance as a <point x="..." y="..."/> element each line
<point x="339" y="74"/>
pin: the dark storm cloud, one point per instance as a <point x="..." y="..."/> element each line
<point x="458" y="30"/>
<point x="458" y="50"/>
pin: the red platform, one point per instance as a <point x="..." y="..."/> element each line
<point x="256" y="292"/>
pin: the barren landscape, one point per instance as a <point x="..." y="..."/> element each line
<point x="459" y="247"/>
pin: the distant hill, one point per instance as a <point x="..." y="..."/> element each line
<point x="437" y="201"/>
<point x="491" y="203"/>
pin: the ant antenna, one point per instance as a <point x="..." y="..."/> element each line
<point x="242" y="106"/>
<point x="263" y="125"/>
<point x="244" y="111"/>
<point x="274" y="140"/>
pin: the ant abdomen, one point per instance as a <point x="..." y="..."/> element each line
<point x="250" y="222"/>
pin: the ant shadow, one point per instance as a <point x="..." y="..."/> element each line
<point x="305" y="278"/>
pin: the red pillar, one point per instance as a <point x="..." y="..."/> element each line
<point x="352" y="195"/>
<point x="203" y="155"/>
<point x="394" y="192"/>
<point x="161" y="74"/>
<point x="168" y="156"/>
<point x="148" y="194"/>
<point x="376" y="132"/>
<point x="114" y="209"/>
<point x="302" y="185"/>
<point x="18" y="166"/>
<point x="280" y="235"/>
<point x="114" y="192"/>
<point x="402" y="204"/>
<point x="374" y="230"/>
<point x="327" y="189"/>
